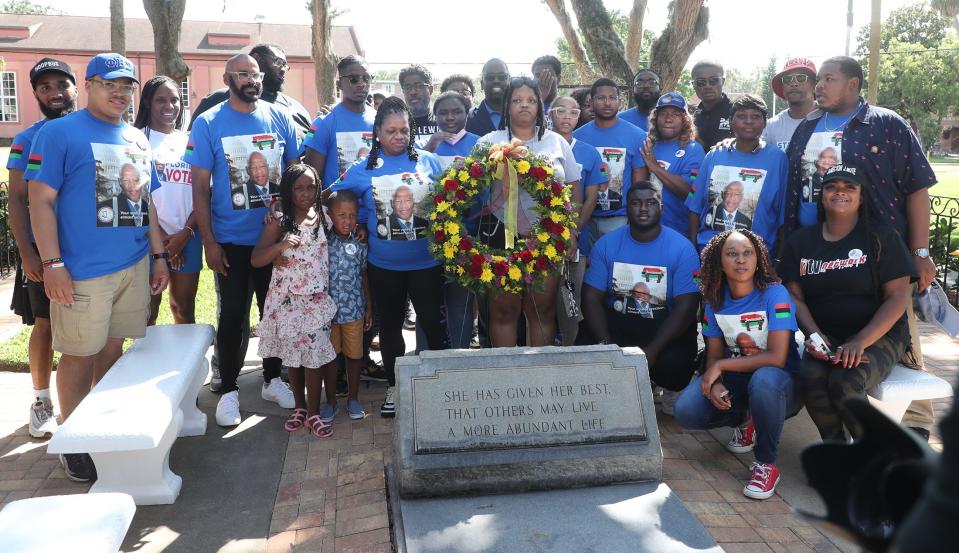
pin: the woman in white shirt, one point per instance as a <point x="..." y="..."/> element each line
<point x="523" y="118"/>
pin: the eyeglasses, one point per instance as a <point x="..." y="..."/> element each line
<point x="279" y="62"/>
<point x="711" y="81"/>
<point x="798" y="78"/>
<point x="412" y="87"/>
<point x="646" y="83"/>
<point x="496" y="76"/>
<point x="116" y="88"/>
<point x="354" y="79"/>
<point x="254" y="76"/>
<point x="565" y="112"/>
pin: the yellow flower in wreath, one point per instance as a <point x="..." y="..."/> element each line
<point x="522" y="167"/>
<point x="542" y="236"/>
<point x="556" y="202"/>
<point x="449" y="251"/>
<point x="442" y="206"/>
<point x="515" y="273"/>
<point x="556" y="217"/>
<point x="487" y="275"/>
<point x="550" y="251"/>
<point x="565" y="234"/>
<point x="452" y="228"/>
<point x="463" y="175"/>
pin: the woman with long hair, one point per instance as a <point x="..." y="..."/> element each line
<point x="524" y="119"/>
<point x="751" y="359"/>
<point x="160" y="117"/>
<point x="850" y="279"/>
<point x="391" y="184"/>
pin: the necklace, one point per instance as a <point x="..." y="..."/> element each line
<point x="825" y="120"/>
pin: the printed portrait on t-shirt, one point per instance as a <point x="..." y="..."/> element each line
<point x="654" y="179"/>
<point x="447" y="161"/>
<point x="351" y="146"/>
<point x="614" y="164"/>
<point x="640" y="290"/>
<point x="398" y="200"/>
<point x="823" y="151"/>
<point x="732" y="197"/>
<point x="745" y="333"/>
<point x="122" y="185"/>
<point x="256" y="162"/>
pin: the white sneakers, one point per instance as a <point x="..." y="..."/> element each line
<point x="42" y="422"/>
<point x="228" y="409"/>
<point x="278" y="392"/>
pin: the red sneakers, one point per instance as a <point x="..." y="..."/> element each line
<point x="744" y="437"/>
<point x="762" y="485"/>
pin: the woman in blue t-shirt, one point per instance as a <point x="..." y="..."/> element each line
<point x="391" y="184"/>
<point x="751" y="356"/>
<point x="160" y="117"/>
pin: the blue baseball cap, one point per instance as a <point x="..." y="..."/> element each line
<point x="111" y="66"/>
<point x="672" y="100"/>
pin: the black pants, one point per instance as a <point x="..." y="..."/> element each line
<point x="390" y="290"/>
<point x="675" y="365"/>
<point x="234" y="297"/>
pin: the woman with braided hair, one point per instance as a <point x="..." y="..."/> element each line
<point x="751" y="358"/>
<point x="391" y="183"/>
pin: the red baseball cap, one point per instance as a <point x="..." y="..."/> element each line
<point x="792" y="64"/>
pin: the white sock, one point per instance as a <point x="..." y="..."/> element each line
<point x="43" y="394"/>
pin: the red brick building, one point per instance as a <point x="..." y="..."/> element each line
<point x="204" y="45"/>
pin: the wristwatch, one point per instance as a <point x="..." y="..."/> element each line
<point x="162" y="255"/>
<point x="921" y="252"/>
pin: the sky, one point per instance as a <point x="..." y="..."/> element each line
<point x="458" y="36"/>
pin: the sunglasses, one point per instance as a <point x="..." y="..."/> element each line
<point x="800" y="78"/>
<point x="712" y="81"/>
<point x="355" y="79"/>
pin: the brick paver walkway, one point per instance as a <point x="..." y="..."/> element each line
<point x="331" y="497"/>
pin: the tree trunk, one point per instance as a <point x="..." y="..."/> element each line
<point x="166" y="17"/>
<point x="323" y="59"/>
<point x="688" y="26"/>
<point x="118" y="30"/>
<point x="605" y="47"/>
<point x="634" y="40"/>
<point x="583" y="68"/>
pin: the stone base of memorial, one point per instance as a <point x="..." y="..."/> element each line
<point x="532" y="449"/>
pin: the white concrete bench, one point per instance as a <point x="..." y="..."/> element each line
<point x="129" y="421"/>
<point x="903" y="386"/>
<point x="91" y="523"/>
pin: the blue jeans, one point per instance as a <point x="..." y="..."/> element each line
<point x="770" y="394"/>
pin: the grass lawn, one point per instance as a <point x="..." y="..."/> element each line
<point x="948" y="177"/>
<point x="13" y="352"/>
<point x="4" y="174"/>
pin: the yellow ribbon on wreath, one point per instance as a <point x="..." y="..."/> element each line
<point x="506" y="173"/>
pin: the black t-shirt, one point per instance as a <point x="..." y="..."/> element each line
<point x="714" y="125"/>
<point x="841" y="288"/>
<point x="425" y="127"/>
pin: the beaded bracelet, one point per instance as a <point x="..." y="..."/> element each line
<point x="49" y="263"/>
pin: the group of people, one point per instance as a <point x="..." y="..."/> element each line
<point x="714" y="219"/>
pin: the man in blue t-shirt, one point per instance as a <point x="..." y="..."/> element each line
<point x="222" y="143"/>
<point x="95" y="270"/>
<point x="640" y="290"/>
<point x="618" y="144"/>
<point x="55" y="89"/>
<point x="646" y="92"/>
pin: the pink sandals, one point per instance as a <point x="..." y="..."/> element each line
<point x="319" y="428"/>
<point x="296" y="420"/>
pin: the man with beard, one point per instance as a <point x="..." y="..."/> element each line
<point x="646" y="92"/>
<point x="55" y="88"/>
<point x="895" y="172"/>
<point x="487" y="116"/>
<point x="229" y="234"/>
<point x="416" y="83"/>
<point x="795" y="84"/>
<point x="713" y="115"/>
<point x="618" y="144"/>
<point x="666" y="332"/>
<point x="272" y="63"/>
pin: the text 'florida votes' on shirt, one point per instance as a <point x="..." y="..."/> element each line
<point x="98" y="169"/>
<point x="684" y="161"/>
<point x="643" y="278"/>
<point x="592" y="172"/>
<point x="740" y="190"/>
<point x="246" y="154"/>
<point x="343" y="136"/>
<point x="744" y="323"/>
<point x="841" y="281"/>
<point x="618" y="147"/>
<point x="20" y="152"/>
<point x="172" y="179"/>
<point x="392" y="199"/>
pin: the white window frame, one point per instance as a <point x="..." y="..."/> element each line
<point x="4" y="75"/>
<point x="185" y="93"/>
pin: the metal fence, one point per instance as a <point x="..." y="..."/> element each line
<point x="8" y="246"/>
<point x="944" y="242"/>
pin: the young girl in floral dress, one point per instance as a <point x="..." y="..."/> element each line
<point x="298" y="312"/>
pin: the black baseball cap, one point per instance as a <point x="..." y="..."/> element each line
<point x="47" y="65"/>
<point x="848" y="173"/>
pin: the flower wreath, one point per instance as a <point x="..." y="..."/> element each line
<point x="525" y="261"/>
